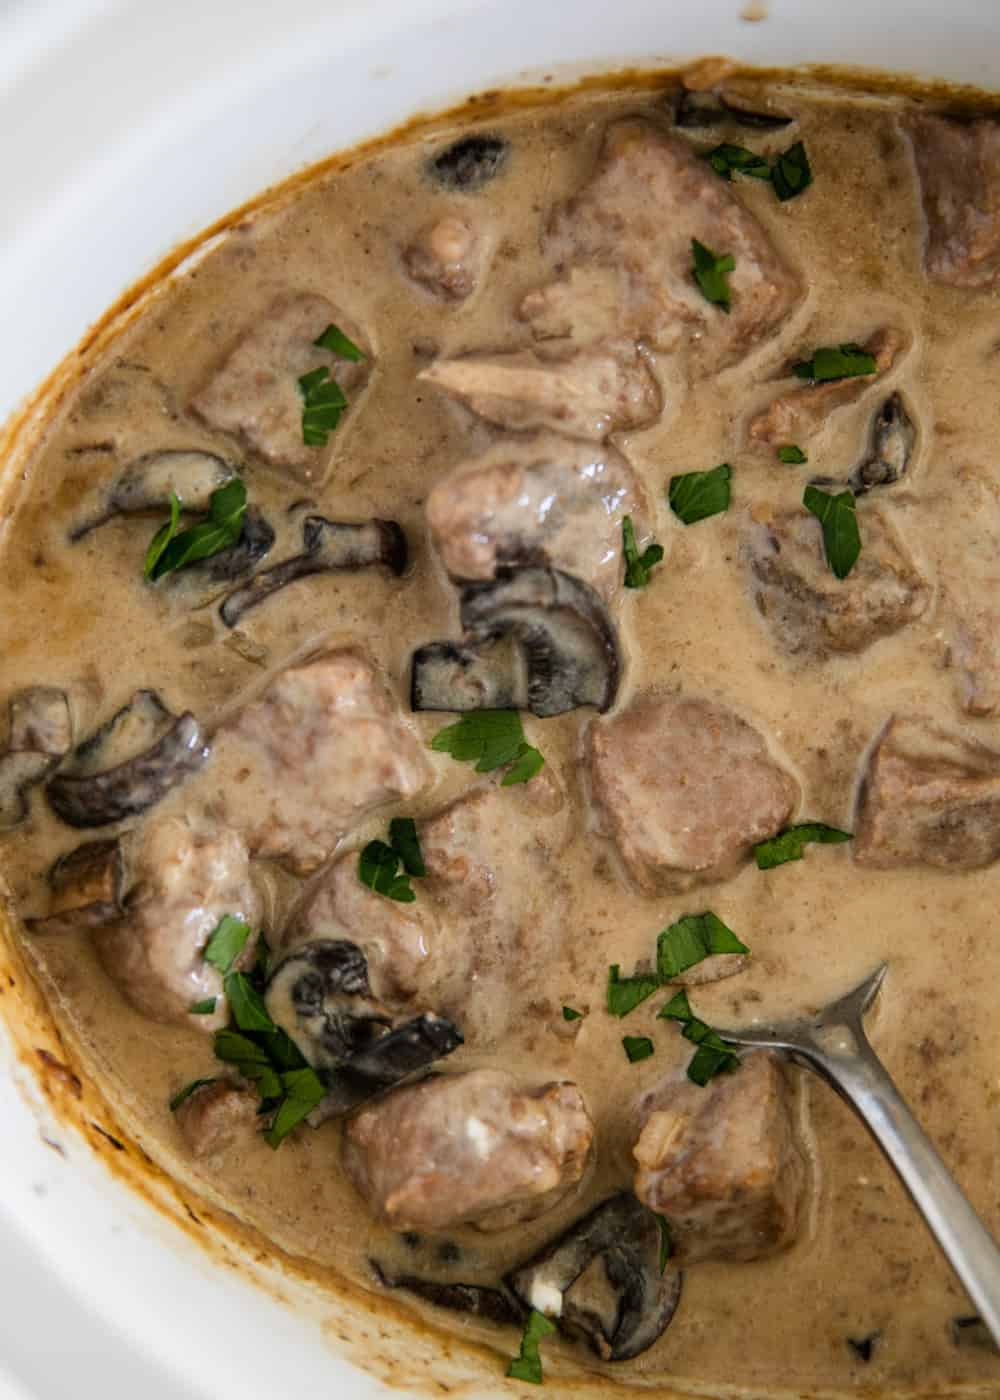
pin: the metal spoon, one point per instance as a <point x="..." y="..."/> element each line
<point x="835" y="1046"/>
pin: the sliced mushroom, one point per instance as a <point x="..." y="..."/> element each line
<point x="329" y="545"/>
<point x="406" y="1050"/>
<point x="129" y="764"/>
<point x="602" y="1281"/>
<point x="149" y="482"/>
<point x="40" y="734"/>
<point x="255" y="541"/>
<point x="560" y="625"/>
<point x="485" y="676"/>
<point x="86" y="885"/>
<point x="320" y="996"/>
<point x="470" y="163"/>
<point x="893" y="438"/>
<point x="703" y="109"/>
<point x="471" y="1298"/>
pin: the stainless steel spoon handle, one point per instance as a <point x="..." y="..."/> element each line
<point x="858" y="1075"/>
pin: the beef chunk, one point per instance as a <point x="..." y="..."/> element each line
<point x="446" y="257"/>
<point x="624" y="247"/>
<point x="795" y="416"/>
<point x="928" y="797"/>
<point x="968" y="509"/>
<point x="958" y="164"/>
<point x="181" y="877"/>
<point x="722" y="1164"/>
<point x="254" y="395"/>
<point x="321" y="747"/>
<point x="581" y="393"/>
<point x="468" y="1147"/>
<point x="808" y="609"/>
<point x="216" y="1117"/>
<point x="685" y="788"/>
<point x="538" y="500"/>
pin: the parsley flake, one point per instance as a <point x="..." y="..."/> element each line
<point x="666" y="1242"/>
<point x="638" y="566"/>
<point x="626" y="993"/>
<point x="226" y="943"/>
<point x="637" y="1047"/>
<point x="527" y="1365"/>
<point x="712" y="1056"/>
<point x="334" y="340"/>
<point x="789" y="845"/>
<point x="378" y="868"/>
<point x="727" y="160"/>
<point x="491" y="739"/>
<point x="695" y="496"/>
<point x="838" y="517"/>
<point x="792" y="454"/>
<point x="170" y="550"/>
<point x="792" y="173"/>
<point x="246" y="1003"/>
<point x="710" y="271"/>
<point x="203" y="1008"/>
<point x="829" y="362"/>
<point x="692" y="939"/>
<point x="570" y="1013"/>
<point x="303" y="1090"/>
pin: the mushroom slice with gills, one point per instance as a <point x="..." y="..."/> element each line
<point x="602" y="1280"/>
<point x="328" y="546"/>
<point x="320" y="996"/>
<point x="128" y="765"/>
<point x="406" y="1050"/>
<point x="150" y="481"/>
<point x="469" y="163"/>
<point x="893" y="438"/>
<point x="697" y="110"/>
<point x="255" y="542"/>
<point x="40" y="734"/>
<point x="483" y="676"/>
<point x="86" y="889"/>
<point x="491" y="1304"/>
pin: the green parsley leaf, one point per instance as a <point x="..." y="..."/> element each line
<point x="162" y="537"/>
<point x="246" y="1003"/>
<point x="637" y="566"/>
<point x="323" y="405"/>
<point x="666" y="1242"/>
<point x="262" y="962"/>
<point x="792" y="173"/>
<point x="829" y="362"/>
<point x="252" y="1061"/>
<point x="303" y="1091"/>
<point x="226" y="942"/>
<point x="334" y="339"/>
<point x="187" y="1091"/>
<point x="710" y="271"/>
<point x="692" y="939"/>
<point x="378" y="867"/>
<point x="792" y="454"/>
<point x="713" y="1055"/>
<point x="203" y="1008"/>
<point x="789" y="844"/>
<point x="404" y="840"/>
<point x="571" y="1014"/>
<point x="727" y="160"/>
<point x="226" y="509"/>
<point x="491" y="739"/>
<point x="838" y="517"/>
<point x="695" y="496"/>
<point x="527" y="1365"/>
<point x="626" y="993"/>
<point x="637" y="1047"/>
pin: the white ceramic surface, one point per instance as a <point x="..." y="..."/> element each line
<point x="125" y="127"/>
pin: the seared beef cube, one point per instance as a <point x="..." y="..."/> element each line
<point x="958" y="164"/>
<point x="685" y="788"/>
<point x="216" y="1117"/>
<point x="722" y="1164"/>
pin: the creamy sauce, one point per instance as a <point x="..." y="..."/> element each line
<point x="79" y="617"/>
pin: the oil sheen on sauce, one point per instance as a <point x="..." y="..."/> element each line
<point x="79" y="617"/>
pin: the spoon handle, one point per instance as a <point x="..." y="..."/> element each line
<point x="859" y="1076"/>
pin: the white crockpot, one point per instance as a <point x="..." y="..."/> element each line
<point x="125" y="128"/>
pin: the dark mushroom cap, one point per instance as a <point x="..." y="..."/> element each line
<point x="493" y="1304"/>
<point x="319" y="995"/>
<point x="149" y="482"/>
<point x="605" y="1270"/>
<point x="483" y="676"/>
<point x="469" y="163"/>
<point x="406" y="1050"/>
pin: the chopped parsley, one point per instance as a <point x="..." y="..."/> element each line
<point x="791" y="172"/>
<point x="829" y="362"/>
<point x="491" y="739"/>
<point x="323" y="400"/>
<point x="570" y="1013"/>
<point x="171" y="548"/>
<point x="727" y="160"/>
<point x="713" y="1056"/>
<point x="789" y="845"/>
<point x="246" y="1003"/>
<point x="626" y="993"/>
<point x="253" y="1061"/>
<point x="637" y="1047"/>
<point x="303" y="1091"/>
<point x="792" y="454"/>
<point x="527" y="1365"/>
<point x="187" y="1091"/>
<point x="710" y="271"/>
<point x="838" y="517"/>
<point x="226" y="943"/>
<point x="694" y="496"/>
<point x="334" y="340"/>
<point x="378" y="864"/>
<point x="638" y="566"/>
<point x="692" y="939"/>
<point x="666" y="1242"/>
<point x="203" y="1008"/>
